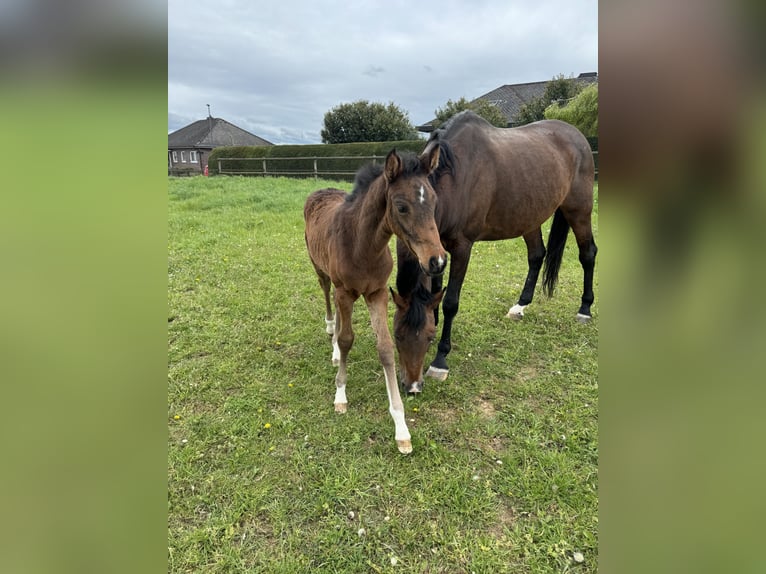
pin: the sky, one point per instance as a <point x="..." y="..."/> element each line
<point x="274" y="68"/>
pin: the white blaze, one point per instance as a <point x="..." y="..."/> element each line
<point x="422" y="194"/>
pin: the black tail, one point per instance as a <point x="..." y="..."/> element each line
<point x="557" y="240"/>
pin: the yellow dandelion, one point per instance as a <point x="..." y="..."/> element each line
<point x="177" y="417"/>
<point x="267" y="426"/>
<point x="414" y="409"/>
<point x="290" y="385"/>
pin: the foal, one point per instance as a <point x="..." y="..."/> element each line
<point x="347" y="237"/>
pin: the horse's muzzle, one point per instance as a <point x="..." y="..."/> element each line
<point x="436" y="265"/>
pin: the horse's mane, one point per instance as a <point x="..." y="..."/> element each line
<point x="441" y="137"/>
<point x="408" y="284"/>
<point x="369" y="172"/>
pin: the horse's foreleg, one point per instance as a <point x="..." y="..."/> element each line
<point x="377" y="303"/>
<point x="342" y="341"/>
<point x="535" y="257"/>
<point x="458" y="266"/>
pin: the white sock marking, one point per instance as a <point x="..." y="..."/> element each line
<point x="335" y="353"/>
<point x="340" y="395"/>
<point x="402" y="432"/>
<point x="517" y="311"/>
<point x="330" y="329"/>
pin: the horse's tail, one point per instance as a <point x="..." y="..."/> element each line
<point x="557" y="240"/>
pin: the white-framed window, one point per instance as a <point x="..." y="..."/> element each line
<point x="175" y="157"/>
<point x="183" y="158"/>
<point x="193" y="157"/>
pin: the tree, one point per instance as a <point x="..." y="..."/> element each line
<point x="559" y="88"/>
<point x="363" y="121"/>
<point x="581" y="111"/>
<point x="485" y="109"/>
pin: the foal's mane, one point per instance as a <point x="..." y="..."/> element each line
<point x="368" y="173"/>
<point x="408" y="284"/>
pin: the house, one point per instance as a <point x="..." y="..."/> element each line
<point x="510" y="98"/>
<point x="190" y="146"/>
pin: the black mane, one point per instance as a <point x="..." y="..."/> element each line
<point x="408" y="283"/>
<point x="369" y="172"/>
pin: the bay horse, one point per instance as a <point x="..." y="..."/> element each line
<point x="347" y="236"/>
<point x="495" y="183"/>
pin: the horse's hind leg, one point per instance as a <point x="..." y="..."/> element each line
<point x="342" y="341"/>
<point x="329" y="317"/>
<point x="535" y="257"/>
<point x="583" y="232"/>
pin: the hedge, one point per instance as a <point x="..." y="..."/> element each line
<point x="305" y="167"/>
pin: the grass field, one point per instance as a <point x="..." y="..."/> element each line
<point x="264" y="476"/>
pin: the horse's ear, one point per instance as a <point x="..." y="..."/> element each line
<point x="400" y="301"/>
<point x="437" y="299"/>
<point x="429" y="159"/>
<point x="393" y="166"/>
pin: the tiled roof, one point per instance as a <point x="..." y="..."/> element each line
<point x="212" y="133"/>
<point x="510" y="97"/>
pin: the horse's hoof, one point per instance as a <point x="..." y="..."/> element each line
<point x="583" y="318"/>
<point x="436" y="373"/>
<point x="516" y="312"/>
<point x="405" y="446"/>
<point x="341" y="407"/>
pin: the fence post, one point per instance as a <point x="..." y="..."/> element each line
<point x="316" y="175"/>
<point x="264" y="167"/>
<point x="219" y="167"/>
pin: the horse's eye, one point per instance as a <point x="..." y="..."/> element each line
<point x="402" y="208"/>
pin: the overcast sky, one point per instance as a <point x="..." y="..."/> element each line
<point x="276" y="67"/>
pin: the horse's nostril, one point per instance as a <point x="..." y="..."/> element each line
<point x="436" y="264"/>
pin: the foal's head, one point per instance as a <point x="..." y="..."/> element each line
<point x="411" y="204"/>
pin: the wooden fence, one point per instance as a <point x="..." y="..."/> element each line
<point x="315" y="169"/>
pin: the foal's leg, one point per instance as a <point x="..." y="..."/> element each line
<point x="329" y="318"/>
<point x="535" y="257"/>
<point x="342" y="341"/>
<point x="377" y="303"/>
<point x="461" y="256"/>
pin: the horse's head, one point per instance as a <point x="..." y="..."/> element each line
<point x="411" y="207"/>
<point x="414" y="331"/>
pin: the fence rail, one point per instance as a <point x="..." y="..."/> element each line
<point x="261" y="165"/>
<point x="314" y="170"/>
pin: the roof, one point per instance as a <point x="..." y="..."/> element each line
<point x="211" y="133"/>
<point x="510" y="97"/>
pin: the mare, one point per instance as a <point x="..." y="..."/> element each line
<point x="347" y="236"/>
<point x="495" y="183"/>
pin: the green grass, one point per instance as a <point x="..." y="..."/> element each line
<point x="262" y="473"/>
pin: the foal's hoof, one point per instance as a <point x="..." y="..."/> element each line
<point x="583" y="318"/>
<point x="405" y="446"/>
<point x="341" y="407"/>
<point x="437" y="373"/>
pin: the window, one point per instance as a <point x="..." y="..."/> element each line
<point x="183" y="158"/>
<point x="193" y="156"/>
<point x="175" y="157"/>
